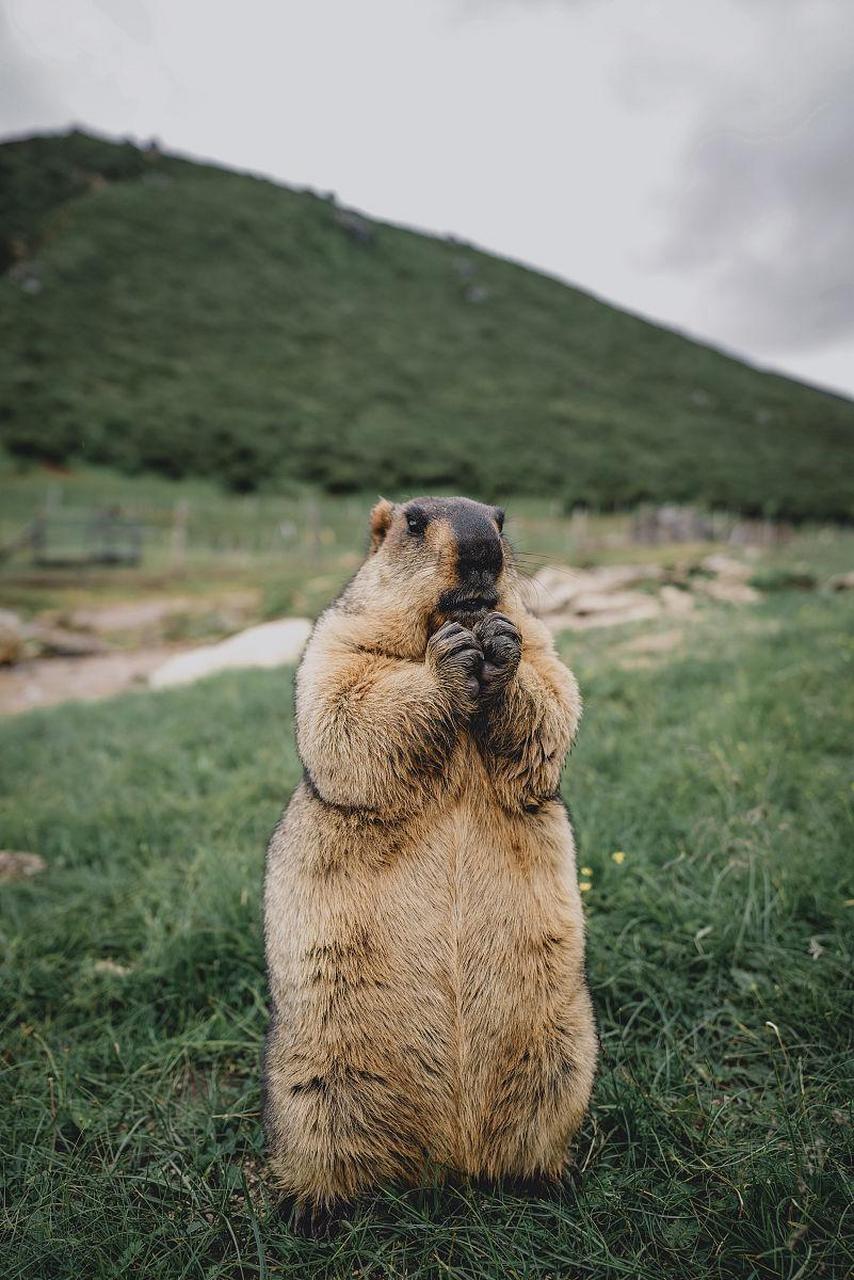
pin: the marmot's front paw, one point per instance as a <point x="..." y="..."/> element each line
<point x="456" y="657"/>
<point x="502" y="651"/>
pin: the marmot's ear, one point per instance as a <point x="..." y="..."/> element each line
<point x="380" y="521"/>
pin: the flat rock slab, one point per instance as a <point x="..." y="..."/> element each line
<point x="570" y="599"/>
<point x="272" y="644"/>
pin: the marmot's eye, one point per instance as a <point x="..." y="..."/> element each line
<point x="415" y="523"/>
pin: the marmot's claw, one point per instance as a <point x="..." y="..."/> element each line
<point x="501" y="642"/>
<point x="313" y="1222"/>
<point x="456" y="650"/>
<point x="452" y="640"/>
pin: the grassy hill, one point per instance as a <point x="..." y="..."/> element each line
<point x="163" y="315"/>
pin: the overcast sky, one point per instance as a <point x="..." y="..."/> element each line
<point x="692" y="160"/>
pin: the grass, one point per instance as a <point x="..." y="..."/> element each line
<point x="167" y="316"/>
<point x="719" y="951"/>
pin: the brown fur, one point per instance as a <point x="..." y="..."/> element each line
<point x="424" y="932"/>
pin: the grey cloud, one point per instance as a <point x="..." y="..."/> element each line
<point x="763" y="208"/>
<point x="26" y="100"/>
<point x="130" y="16"/>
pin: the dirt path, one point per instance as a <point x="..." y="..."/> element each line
<point x="45" y="682"/>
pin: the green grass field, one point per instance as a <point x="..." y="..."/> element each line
<point x="720" y="949"/>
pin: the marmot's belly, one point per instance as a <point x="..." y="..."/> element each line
<point x="436" y="981"/>
<point x="484" y="935"/>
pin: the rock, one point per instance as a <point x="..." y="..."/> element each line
<point x="11" y="637"/>
<point x="554" y="587"/>
<point x="20" y="866"/>
<point x="614" y="577"/>
<point x="727" y="591"/>
<point x="356" y="227"/>
<point x="842" y="582"/>
<point x="727" y="567"/>
<point x="613" y="602"/>
<point x="272" y="644"/>
<point x="675" y="601"/>
<point x="111" y="967"/>
<point x="641" y="610"/>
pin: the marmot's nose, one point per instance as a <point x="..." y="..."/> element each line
<point x="479" y="555"/>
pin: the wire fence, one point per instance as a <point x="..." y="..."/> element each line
<point x="55" y="529"/>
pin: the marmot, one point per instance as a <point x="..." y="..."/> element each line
<point x="423" y="925"/>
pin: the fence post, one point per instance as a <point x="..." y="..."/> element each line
<point x="312" y="526"/>
<point x="180" y="519"/>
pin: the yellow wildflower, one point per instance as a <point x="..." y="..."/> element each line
<point x="585" y="886"/>
<point x="587" y="871"/>
<point x="618" y="857"/>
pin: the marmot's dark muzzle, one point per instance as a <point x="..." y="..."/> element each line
<point x="479" y="553"/>
<point x="480" y="557"/>
<point x="480" y="560"/>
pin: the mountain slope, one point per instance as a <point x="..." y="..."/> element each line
<point x="161" y="314"/>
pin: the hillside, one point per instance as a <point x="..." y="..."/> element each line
<point x="158" y="314"/>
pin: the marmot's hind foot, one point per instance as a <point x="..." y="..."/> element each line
<point x="314" y="1221"/>
<point x="534" y="1186"/>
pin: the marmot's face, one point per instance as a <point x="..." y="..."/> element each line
<point x="449" y="551"/>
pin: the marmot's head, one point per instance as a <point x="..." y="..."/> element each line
<point x="446" y="556"/>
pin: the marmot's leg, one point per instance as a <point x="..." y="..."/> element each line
<point x="334" y="1131"/>
<point x="538" y="1102"/>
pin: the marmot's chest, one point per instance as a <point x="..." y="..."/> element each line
<point x="493" y="861"/>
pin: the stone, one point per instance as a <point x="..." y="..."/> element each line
<point x="11" y="638"/>
<point x="727" y="591"/>
<point x="15" y="865"/>
<point x="675" y="601"/>
<point x="727" y="567"/>
<point x="645" y="608"/>
<point x="555" y="587"/>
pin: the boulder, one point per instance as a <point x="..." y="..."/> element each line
<point x="555" y="587"/>
<point x="727" y="567"/>
<point x="727" y="591"/>
<point x="675" y="601"/>
<point x="589" y="602"/>
<point x="842" y="582"/>
<point x="591" y="611"/>
<point x="271" y="644"/>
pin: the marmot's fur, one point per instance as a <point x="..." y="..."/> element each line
<point x="424" y="932"/>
